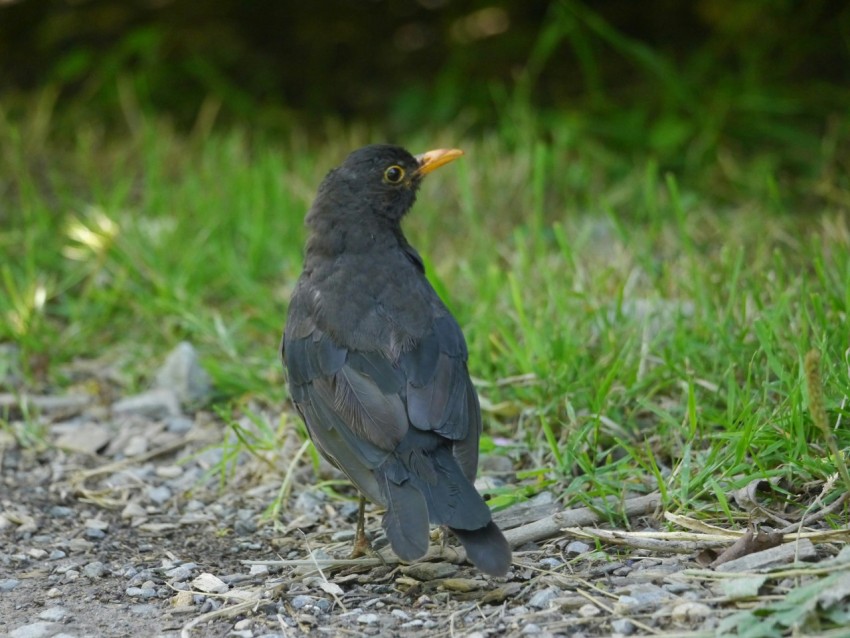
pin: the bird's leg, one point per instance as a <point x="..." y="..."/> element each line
<point x="361" y="543"/>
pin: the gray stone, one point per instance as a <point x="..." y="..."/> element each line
<point x="56" y="554"/>
<point x="95" y="534"/>
<point x="367" y="619"/>
<point x="181" y="572"/>
<point x="648" y="594"/>
<point x="87" y="438"/>
<point x="589" y="610"/>
<point x="343" y="535"/>
<point x="531" y="629"/>
<point x="623" y="626"/>
<point x="80" y="545"/>
<point x="179" y="424"/>
<point x="541" y="599"/>
<point x="60" y="511"/>
<point x="301" y="601"/>
<point x="34" y="630"/>
<point x="94" y="570"/>
<point x="8" y="584"/>
<point x="154" y="404"/>
<point x="136" y="446"/>
<point x="53" y="614"/>
<point x="689" y="611"/>
<point x="322" y="604"/>
<point x="182" y="374"/>
<point x="577" y="547"/>
<point x="159" y="494"/>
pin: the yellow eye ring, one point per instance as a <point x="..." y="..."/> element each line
<point x="394" y="174"/>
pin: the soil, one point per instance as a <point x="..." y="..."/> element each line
<point x="145" y="536"/>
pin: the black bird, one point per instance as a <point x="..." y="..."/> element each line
<point x="377" y="364"/>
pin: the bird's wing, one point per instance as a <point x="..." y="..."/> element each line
<point x="360" y="405"/>
<point x="439" y="392"/>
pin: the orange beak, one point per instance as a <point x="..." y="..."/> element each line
<point x="435" y="159"/>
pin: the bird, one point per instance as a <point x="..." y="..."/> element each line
<point x="377" y="365"/>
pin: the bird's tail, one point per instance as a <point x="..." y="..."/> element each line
<point x="486" y="548"/>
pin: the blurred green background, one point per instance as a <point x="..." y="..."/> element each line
<point x="679" y="79"/>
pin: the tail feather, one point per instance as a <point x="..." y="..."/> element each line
<point x="406" y="521"/>
<point x="486" y="548"/>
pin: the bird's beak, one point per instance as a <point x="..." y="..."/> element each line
<point x="435" y="159"/>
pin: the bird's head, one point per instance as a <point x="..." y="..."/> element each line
<point x="380" y="179"/>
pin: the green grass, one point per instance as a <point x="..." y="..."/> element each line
<point x="632" y="329"/>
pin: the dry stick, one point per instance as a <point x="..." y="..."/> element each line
<point x="820" y="514"/>
<point x="580" y="517"/>
<point x="552" y="525"/>
<point x="538" y="530"/>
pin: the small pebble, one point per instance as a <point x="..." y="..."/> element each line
<point x="136" y="446"/>
<point x="33" y="630"/>
<point x="169" y="471"/>
<point x="37" y="553"/>
<point x="195" y="505"/>
<point x="95" y="534"/>
<point x="367" y="619"/>
<point x="96" y="523"/>
<point x="589" y="610"/>
<point x="60" y="511"/>
<point x="159" y="494"/>
<point x="80" y="545"/>
<point x="53" y="614"/>
<point x="94" y="569"/>
<point x="690" y="611"/>
<point x="531" y="629"/>
<point x="400" y="614"/>
<point x="577" y="547"/>
<point x="301" y="601"/>
<point x="70" y="576"/>
<point x="623" y="626"/>
<point x="133" y="510"/>
<point x="542" y="598"/>
<point x="181" y="572"/>
<point x="179" y="424"/>
<point x="625" y="603"/>
<point x="56" y="554"/>
<point x="259" y="570"/>
<point x="8" y="584"/>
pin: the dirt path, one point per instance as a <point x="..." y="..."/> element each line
<point x="135" y="535"/>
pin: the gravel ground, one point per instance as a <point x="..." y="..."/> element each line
<point x="116" y="524"/>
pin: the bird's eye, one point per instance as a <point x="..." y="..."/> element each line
<point x="394" y="174"/>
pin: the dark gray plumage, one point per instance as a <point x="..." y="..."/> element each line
<point x="377" y="364"/>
